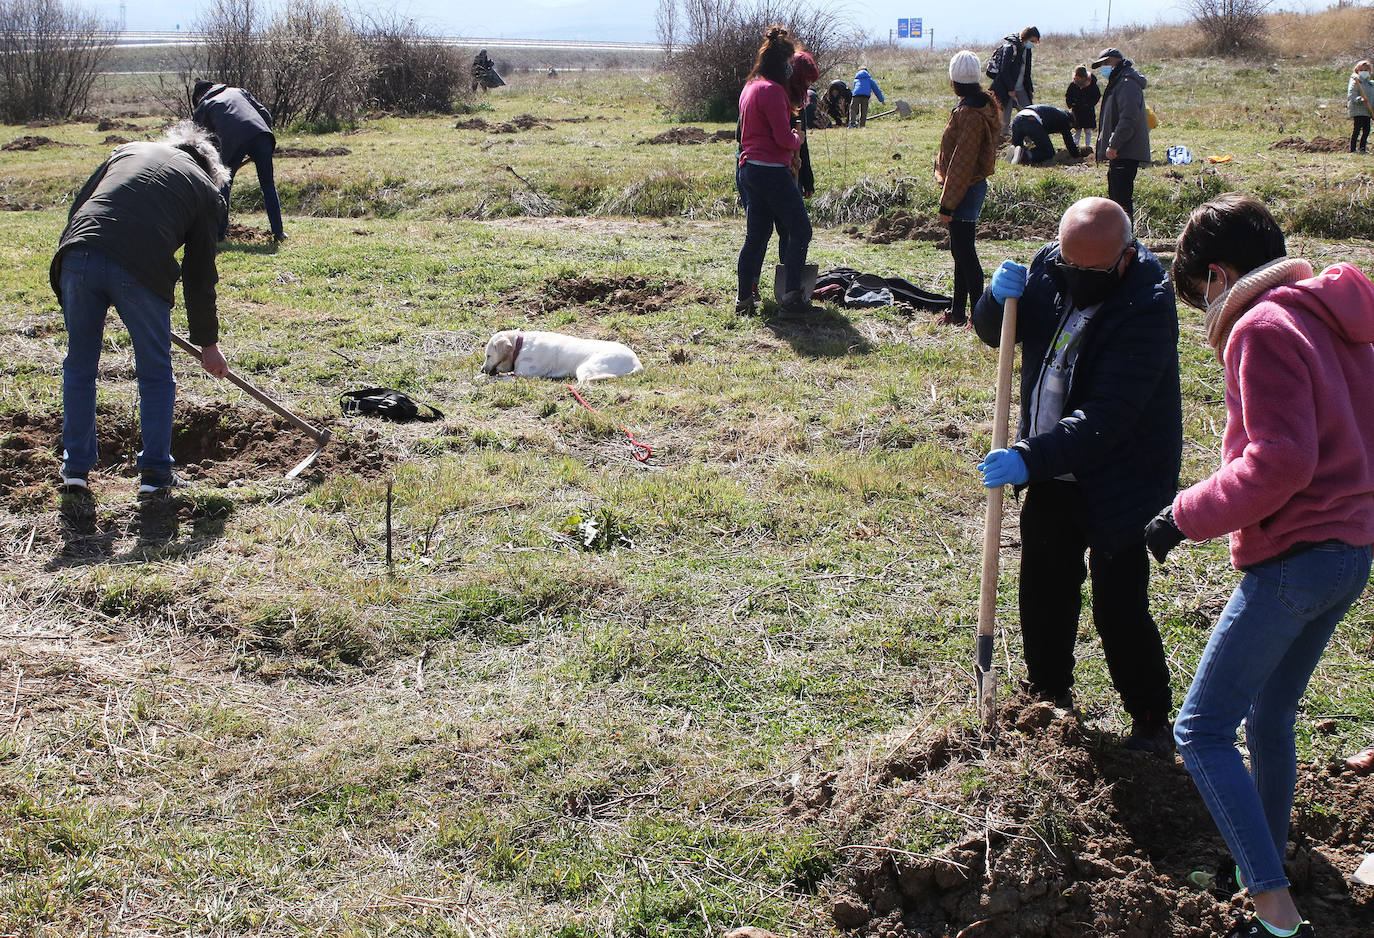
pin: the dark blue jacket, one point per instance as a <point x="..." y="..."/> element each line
<point x="1013" y="52"/>
<point x="235" y="118"/>
<point x="1122" y="432"/>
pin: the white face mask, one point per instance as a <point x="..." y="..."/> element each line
<point x="1214" y="307"/>
<point x="1030" y="44"/>
<point x="1362" y="75"/>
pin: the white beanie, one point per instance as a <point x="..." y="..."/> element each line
<point x="965" y="69"/>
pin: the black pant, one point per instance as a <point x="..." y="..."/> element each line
<point x="1121" y="183"/>
<point x="1031" y="133"/>
<point x="1053" y="541"/>
<point x="968" y="270"/>
<point x="1360" y="130"/>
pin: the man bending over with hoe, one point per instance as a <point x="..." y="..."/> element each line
<point x="1098" y="449"/>
<point x="125" y="226"/>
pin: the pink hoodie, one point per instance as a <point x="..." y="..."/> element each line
<point x="765" y="120"/>
<point x="1298" y="451"/>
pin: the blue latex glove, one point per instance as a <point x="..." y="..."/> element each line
<point x="1003" y="467"/>
<point x="1009" y="281"/>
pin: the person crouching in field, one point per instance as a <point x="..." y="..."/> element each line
<point x="1295" y="492"/>
<point x="1081" y="97"/>
<point x="1359" y="104"/>
<point x="768" y="145"/>
<point x="118" y="249"/>
<point x="967" y="157"/>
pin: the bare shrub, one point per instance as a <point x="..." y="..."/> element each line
<point x="232" y="50"/>
<point x="711" y="46"/>
<point x="412" y="71"/>
<point x="317" y="66"/>
<point x="1230" y="27"/>
<point x="50" y="54"/>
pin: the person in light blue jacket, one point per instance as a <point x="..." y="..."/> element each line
<point x="864" y="87"/>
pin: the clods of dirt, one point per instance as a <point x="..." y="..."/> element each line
<point x="1055" y="830"/>
<point x="292" y="153"/>
<point x="638" y="294"/>
<point x="1317" y="144"/>
<point x="213" y="444"/>
<point x="245" y="234"/>
<point x="690" y="136"/>
<point x="30" y="142"/>
<point x="109" y="123"/>
<point x="519" y="123"/>
<point x="473" y="123"/>
<point x="114" y="140"/>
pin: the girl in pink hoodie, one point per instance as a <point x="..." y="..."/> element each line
<point x="1295" y="492"/>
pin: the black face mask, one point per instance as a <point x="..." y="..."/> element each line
<point x="1086" y="286"/>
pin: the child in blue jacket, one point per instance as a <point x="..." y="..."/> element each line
<point x="864" y="86"/>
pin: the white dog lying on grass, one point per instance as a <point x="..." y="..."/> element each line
<point x="551" y="355"/>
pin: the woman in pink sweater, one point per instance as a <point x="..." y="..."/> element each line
<point x="768" y="144"/>
<point x="1295" y="492"/>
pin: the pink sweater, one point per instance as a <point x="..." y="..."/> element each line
<point x="1298" y="451"/>
<point x="765" y="115"/>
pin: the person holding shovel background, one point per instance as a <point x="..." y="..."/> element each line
<point x="1098" y="450"/>
<point x="118" y="249"/>
<point x="1358" y="97"/>
<point x="1295" y="492"/>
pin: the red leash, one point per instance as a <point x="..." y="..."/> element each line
<point x="640" y="451"/>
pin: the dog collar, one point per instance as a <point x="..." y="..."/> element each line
<point x="519" y="344"/>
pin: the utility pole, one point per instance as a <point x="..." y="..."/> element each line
<point x="1109" y="15"/>
<point x="932" y="39"/>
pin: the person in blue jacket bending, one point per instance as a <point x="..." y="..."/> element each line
<point x="864" y="87"/>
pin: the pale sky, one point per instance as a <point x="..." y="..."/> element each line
<point x="981" y="21"/>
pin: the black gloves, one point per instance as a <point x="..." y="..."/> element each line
<point x="1162" y="535"/>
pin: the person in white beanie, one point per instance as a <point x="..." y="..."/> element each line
<point x="967" y="157"/>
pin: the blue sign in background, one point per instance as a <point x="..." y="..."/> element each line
<point x="909" y="28"/>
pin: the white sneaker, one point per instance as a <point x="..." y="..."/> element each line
<point x="1017" y="155"/>
<point x="153" y="484"/>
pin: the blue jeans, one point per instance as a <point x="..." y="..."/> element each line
<point x="771" y="197"/>
<point x="259" y="150"/>
<point x="1256" y="666"/>
<point x="91" y="283"/>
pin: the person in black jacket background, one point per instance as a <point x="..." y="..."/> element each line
<point x="1010" y="71"/>
<point x="1099" y="449"/>
<point x="243" y="128"/>
<point x="1030" y="134"/>
<point x="119" y="249"/>
<point x="1081" y="97"/>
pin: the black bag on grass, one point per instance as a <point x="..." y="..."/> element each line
<point x="387" y="404"/>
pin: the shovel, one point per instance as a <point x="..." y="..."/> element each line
<point x="900" y="108"/>
<point x="321" y="437"/>
<point x="984" y="673"/>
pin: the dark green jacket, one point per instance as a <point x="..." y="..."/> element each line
<point x="138" y="208"/>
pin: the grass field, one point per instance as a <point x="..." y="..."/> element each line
<point x="588" y="694"/>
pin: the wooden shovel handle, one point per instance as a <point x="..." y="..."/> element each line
<point x="992" y="528"/>
<point x="319" y="436"/>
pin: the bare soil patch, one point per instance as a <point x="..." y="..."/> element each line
<point x="1058" y="831"/>
<point x="689" y="136"/>
<point x="472" y="123"/>
<point x="248" y="234"/>
<point x="210" y="443"/>
<point x="114" y="140"/>
<point x="639" y="294"/>
<point x="292" y="153"/>
<point x="30" y="142"/>
<point x="907" y="227"/>
<point x="110" y="123"/>
<point x="1317" y="144"/>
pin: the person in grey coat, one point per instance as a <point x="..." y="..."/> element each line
<point x="243" y="128"/>
<point x="1358" y="96"/>
<point x="1123" y="137"/>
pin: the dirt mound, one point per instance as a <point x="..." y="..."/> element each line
<point x="905" y="227"/>
<point x="475" y="123"/>
<point x="28" y="142"/>
<point x="292" y="153"/>
<point x="109" y="123"/>
<point x="636" y="293"/>
<point x="1058" y="831"/>
<point x="691" y="135"/>
<point x="210" y="443"/>
<point x="519" y="123"/>
<point x="1315" y="145"/>
<point x="114" y="140"/>
<point x="248" y="235"/>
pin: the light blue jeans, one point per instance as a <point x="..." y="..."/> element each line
<point x="92" y="283"/>
<point x="1255" y="668"/>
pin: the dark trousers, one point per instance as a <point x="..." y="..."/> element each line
<point x="1030" y="133"/>
<point x="1053" y="542"/>
<point x="772" y="197"/>
<point x="1121" y="183"/>
<point x="968" y="270"/>
<point x="1361" y="130"/>
<point x="259" y="150"/>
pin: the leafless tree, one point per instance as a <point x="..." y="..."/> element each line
<point x="412" y="71"/>
<point x="50" y="54"/>
<point x="317" y="67"/>
<point x="1230" y="27"/>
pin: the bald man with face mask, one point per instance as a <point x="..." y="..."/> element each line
<point x="1098" y="451"/>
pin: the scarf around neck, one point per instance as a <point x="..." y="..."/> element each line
<point x="1221" y="318"/>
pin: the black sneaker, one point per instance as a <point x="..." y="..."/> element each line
<point x="1223" y="884"/>
<point x="745" y="307"/>
<point x="794" y="306"/>
<point x="75" y="483"/>
<point x="1151" y="736"/>
<point x="155" y="483"/>
<point x="1251" y="927"/>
